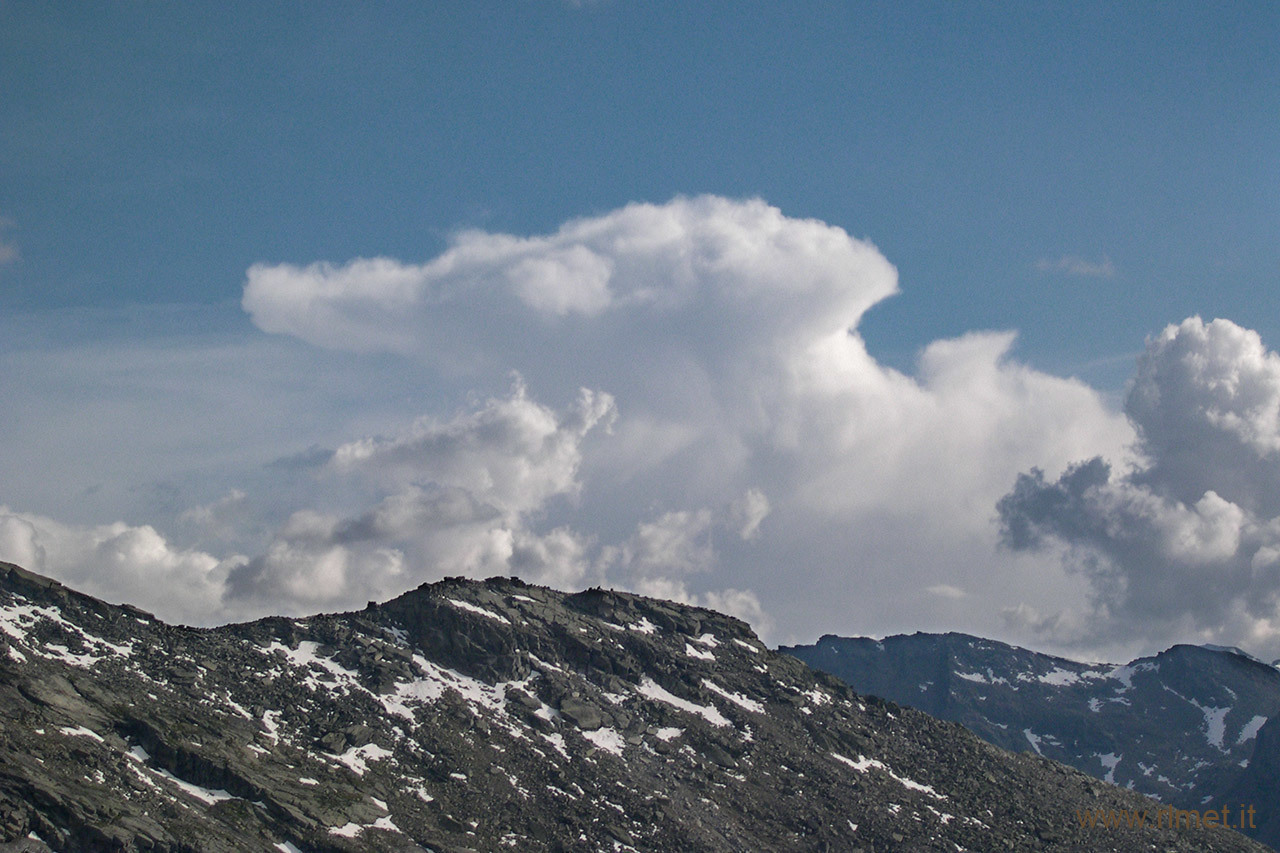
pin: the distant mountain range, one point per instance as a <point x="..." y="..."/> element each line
<point x="1194" y="726"/>
<point x="489" y="716"/>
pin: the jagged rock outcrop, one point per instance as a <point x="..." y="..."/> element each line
<point x="491" y="716"/>
<point x="1184" y="726"/>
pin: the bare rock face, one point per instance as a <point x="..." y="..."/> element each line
<point x="1260" y="782"/>
<point x="492" y="716"/>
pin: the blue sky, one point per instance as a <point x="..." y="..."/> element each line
<point x="1084" y="174"/>
<point x="153" y="151"/>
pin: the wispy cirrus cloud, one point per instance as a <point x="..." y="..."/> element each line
<point x="1074" y="265"/>
<point x="8" y="248"/>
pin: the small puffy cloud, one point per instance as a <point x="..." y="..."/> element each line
<point x="119" y="562"/>
<point x="675" y="543"/>
<point x="740" y="603"/>
<point x="1074" y="265"/>
<point x="308" y="567"/>
<point x="1206" y="400"/>
<point x="560" y="558"/>
<point x="680" y="543"/>
<point x="748" y="512"/>
<point x="1183" y="539"/>
<point x="945" y="590"/>
<point x="457" y="494"/>
<point x="512" y="452"/>
<point x="1066" y="626"/>
<point x="20" y="541"/>
<point x="219" y="519"/>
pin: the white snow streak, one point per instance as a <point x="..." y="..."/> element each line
<point x="652" y="690"/>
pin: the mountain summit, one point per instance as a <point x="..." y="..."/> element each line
<point x="494" y="715"/>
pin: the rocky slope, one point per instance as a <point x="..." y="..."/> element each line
<point x="1185" y="726"/>
<point x="491" y="716"/>
<point x="1260" y="782"/>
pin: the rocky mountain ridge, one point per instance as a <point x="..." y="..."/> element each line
<point x="469" y="716"/>
<point x="1185" y="726"/>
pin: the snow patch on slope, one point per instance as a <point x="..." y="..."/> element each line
<point x="864" y="765"/>
<point x="652" y="690"/>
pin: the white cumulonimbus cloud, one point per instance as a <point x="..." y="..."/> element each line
<point x="738" y="447"/>
<point x="760" y="458"/>
<point x="1183" y="542"/>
